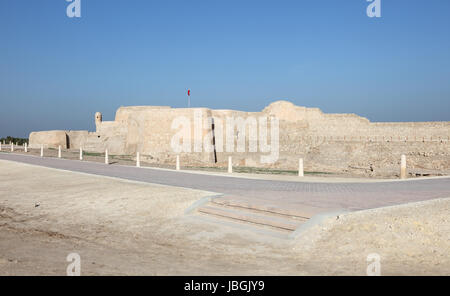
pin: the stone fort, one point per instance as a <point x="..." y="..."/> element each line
<point x="327" y="142"/>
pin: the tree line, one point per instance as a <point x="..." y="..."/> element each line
<point x="10" y="139"/>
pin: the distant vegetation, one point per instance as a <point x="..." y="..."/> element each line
<point x="9" y="139"/>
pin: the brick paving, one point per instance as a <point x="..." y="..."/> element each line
<point x="349" y="196"/>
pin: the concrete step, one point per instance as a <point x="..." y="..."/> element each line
<point x="285" y="223"/>
<point x="242" y="227"/>
<point x="279" y="208"/>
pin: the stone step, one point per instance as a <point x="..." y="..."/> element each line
<point x="263" y="219"/>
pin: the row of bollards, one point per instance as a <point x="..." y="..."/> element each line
<point x="403" y="172"/>
<point x="301" y="173"/>
<point x="24" y="145"/>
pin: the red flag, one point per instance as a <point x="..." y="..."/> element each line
<point x="189" y="92"/>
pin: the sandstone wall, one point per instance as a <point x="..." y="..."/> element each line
<point x="76" y="139"/>
<point x="327" y="142"/>
<point x="49" y="139"/>
<point x="148" y="129"/>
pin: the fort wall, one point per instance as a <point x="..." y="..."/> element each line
<point x="327" y="142"/>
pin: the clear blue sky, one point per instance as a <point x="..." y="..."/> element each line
<point x="56" y="72"/>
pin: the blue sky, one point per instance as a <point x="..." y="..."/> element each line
<point x="56" y="72"/>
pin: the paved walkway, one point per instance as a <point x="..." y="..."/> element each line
<point x="349" y="196"/>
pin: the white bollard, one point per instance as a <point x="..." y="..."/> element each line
<point x="106" y="157"/>
<point x="230" y="165"/>
<point x="26" y="147"/>
<point x="12" y="147"/>
<point x="59" y="151"/>
<point x="403" y="167"/>
<point x="300" y="168"/>
<point x="178" y="163"/>
<point x="42" y="150"/>
<point x="138" y="160"/>
<point x="0" y="146"/>
<point x="81" y="153"/>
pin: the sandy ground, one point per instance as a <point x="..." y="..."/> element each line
<point x="411" y="239"/>
<point x="121" y="227"/>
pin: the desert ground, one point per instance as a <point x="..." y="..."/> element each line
<point x="122" y="227"/>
